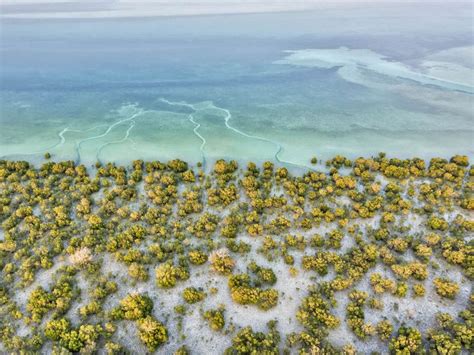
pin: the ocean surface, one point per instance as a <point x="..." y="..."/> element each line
<point x="353" y="80"/>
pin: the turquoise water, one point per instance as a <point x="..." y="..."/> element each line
<point x="356" y="81"/>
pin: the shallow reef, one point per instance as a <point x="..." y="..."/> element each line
<point x="371" y="255"/>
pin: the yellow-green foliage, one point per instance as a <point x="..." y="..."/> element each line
<point x="461" y="160"/>
<point x="183" y="350"/>
<point x="138" y="272"/>
<point x="246" y="341"/>
<point x="243" y="292"/>
<point x="314" y="312"/>
<point x="414" y="269"/>
<point x="407" y="341"/>
<point x="58" y="299"/>
<point x="399" y="244"/>
<point x="113" y="348"/>
<point x="64" y="222"/>
<point x="197" y="257"/>
<point x="401" y="289"/>
<point x="264" y="275"/>
<point x="381" y="284"/>
<point x="432" y="239"/>
<point x="56" y="328"/>
<point x="167" y="275"/>
<point x="152" y="333"/>
<point x="384" y="329"/>
<point x="437" y="223"/>
<point x="39" y="303"/>
<point x="419" y="290"/>
<point x="355" y="315"/>
<point x="215" y="318"/>
<point x="442" y="343"/>
<point x="94" y="221"/>
<point x="423" y="251"/>
<point x="72" y="339"/>
<point x="321" y="261"/>
<point x="135" y="306"/>
<point x="221" y="261"/>
<point x="193" y="295"/>
<point x="93" y="307"/>
<point x="446" y="288"/>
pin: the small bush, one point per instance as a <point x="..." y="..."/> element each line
<point x="193" y="295"/>
<point x="152" y="333"/>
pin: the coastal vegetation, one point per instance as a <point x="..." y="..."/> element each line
<point x="118" y="259"/>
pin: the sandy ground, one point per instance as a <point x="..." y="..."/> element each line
<point x="192" y="330"/>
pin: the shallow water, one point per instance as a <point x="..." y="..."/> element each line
<point x="357" y="81"/>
